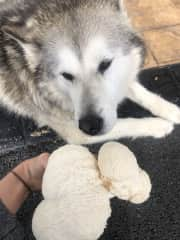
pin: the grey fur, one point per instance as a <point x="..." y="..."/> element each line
<point x="31" y="33"/>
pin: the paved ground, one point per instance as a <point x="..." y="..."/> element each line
<point x="159" y="23"/>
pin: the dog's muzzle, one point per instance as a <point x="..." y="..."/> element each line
<point x="91" y="124"/>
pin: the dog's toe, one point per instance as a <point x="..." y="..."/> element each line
<point x="174" y="115"/>
<point x="163" y="128"/>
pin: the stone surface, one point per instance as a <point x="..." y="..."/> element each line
<point x="159" y="23"/>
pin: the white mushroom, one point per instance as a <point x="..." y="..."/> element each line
<point x="121" y="173"/>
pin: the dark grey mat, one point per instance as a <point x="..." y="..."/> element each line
<point x="157" y="219"/>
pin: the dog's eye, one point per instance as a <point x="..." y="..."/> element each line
<point x="68" y="76"/>
<point x="104" y="65"/>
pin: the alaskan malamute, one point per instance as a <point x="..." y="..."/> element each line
<point x="69" y="63"/>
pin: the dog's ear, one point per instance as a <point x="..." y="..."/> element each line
<point x="17" y="25"/>
<point x="22" y="35"/>
<point x="119" y="6"/>
<point x="15" y="31"/>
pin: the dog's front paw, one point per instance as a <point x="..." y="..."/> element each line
<point x="161" y="128"/>
<point x="174" y="113"/>
<point x="169" y="111"/>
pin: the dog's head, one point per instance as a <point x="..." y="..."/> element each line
<point x="83" y="55"/>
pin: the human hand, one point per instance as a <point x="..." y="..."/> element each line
<point x="32" y="171"/>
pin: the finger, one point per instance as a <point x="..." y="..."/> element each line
<point x="44" y="157"/>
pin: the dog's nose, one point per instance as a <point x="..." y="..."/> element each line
<point x="91" y="124"/>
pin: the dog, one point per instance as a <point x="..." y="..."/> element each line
<point x="68" y="64"/>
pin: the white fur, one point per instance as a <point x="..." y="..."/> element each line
<point x="104" y="91"/>
<point x="68" y="102"/>
<point x="154" y="103"/>
<point x="69" y="62"/>
<point x="130" y="127"/>
<point x="77" y="194"/>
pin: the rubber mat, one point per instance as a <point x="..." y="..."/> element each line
<point x="158" y="218"/>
